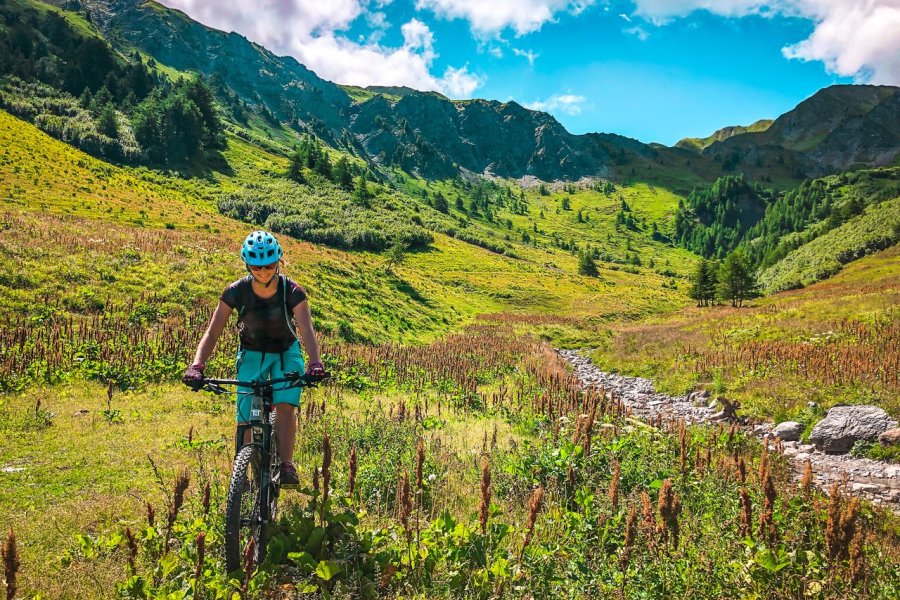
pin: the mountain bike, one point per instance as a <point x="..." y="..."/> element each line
<point x="252" y="502"/>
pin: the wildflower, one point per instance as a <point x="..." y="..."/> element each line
<point x="669" y="505"/>
<point x="763" y="461"/>
<point x="649" y="522"/>
<point x="405" y="504"/>
<point x="766" y="520"/>
<point x="857" y="556"/>
<point x="205" y="501"/>
<point x="807" y="479"/>
<point x="10" y="564"/>
<point x="614" y="485"/>
<point x="352" y="470"/>
<point x="630" y="527"/>
<point x="201" y="554"/>
<point x="746" y="513"/>
<point x="132" y="548"/>
<point x="534" y="507"/>
<point x="833" y="540"/>
<point x="484" y="508"/>
<point x="326" y="467"/>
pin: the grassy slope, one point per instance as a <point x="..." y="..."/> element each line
<point x="90" y="236"/>
<point x="825" y="255"/>
<point x="722" y="134"/>
<point x="43" y="180"/>
<point x="675" y="351"/>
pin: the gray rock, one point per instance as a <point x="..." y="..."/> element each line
<point x="891" y="437"/>
<point x="789" y="431"/>
<point x="761" y="430"/>
<point x="843" y="426"/>
<point x="698" y="398"/>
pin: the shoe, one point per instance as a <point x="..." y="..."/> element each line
<point x="288" y="475"/>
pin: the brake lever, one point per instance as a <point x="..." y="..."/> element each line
<point x="215" y="389"/>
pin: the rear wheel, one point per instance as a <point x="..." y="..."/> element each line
<point x="243" y="517"/>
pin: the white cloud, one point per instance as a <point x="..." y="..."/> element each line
<point x="491" y="18"/>
<point x="530" y="55"/>
<point x="854" y="38"/>
<point x="569" y="104"/>
<point x="662" y="11"/>
<point x="310" y="31"/>
<point x="637" y="31"/>
<point x="460" y="83"/>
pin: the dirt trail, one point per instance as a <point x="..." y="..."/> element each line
<point x="875" y="480"/>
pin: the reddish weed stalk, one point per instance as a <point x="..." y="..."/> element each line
<point x="10" y="564"/>
<point x="534" y="507"/>
<point x="485" y="506"/>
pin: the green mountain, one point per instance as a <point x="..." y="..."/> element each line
<point x="131" y="63"/>
<point x="427" y="134"/>
<point x="798" y="236"/>
<point x="722" y="134"/>
<point x="839" y="128"/>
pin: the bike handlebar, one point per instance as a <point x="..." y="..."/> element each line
<point x="293" y="377"/>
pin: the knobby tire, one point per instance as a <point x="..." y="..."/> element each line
<point x="242" y="504"/>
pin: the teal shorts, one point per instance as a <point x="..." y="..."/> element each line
<point x="254" y="366"/>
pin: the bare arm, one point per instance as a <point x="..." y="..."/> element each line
<point x="303" y="318"/>
<point x="213" y="331"/>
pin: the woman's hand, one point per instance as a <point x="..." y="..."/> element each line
<point x="193" y="376"/>
<point x="315" y="371"/>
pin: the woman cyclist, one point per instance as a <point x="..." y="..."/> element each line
<point x="269" y="347"/>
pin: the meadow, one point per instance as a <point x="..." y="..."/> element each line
<point x="472" y="467"/>
<point x="481" y="468"/>
<point x="830" y="343"/>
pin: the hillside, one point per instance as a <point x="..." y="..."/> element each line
<point x="435" y="137"/>
<point x="822" y="257"/>
<point x="724" y="133"/>
<point x="734" y="213"/>
<point x="839" y="128"/>
<point x="831" y="342"/>
<point x="447" y="248"/>
<point x="433" y="290"/>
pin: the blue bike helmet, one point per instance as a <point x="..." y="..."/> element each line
<point x="261" y="248"/>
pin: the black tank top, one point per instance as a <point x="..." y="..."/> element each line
<point x="262" y="322"/>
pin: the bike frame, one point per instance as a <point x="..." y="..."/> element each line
<point x="262" y="398"/>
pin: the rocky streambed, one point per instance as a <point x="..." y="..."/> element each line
<point x="875" y="480"/>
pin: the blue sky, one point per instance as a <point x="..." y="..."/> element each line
<point x="655" y="70"/>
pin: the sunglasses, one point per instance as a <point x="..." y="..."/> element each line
<point x="263" y="267"/>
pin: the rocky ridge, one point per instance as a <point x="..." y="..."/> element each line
<point x="874" y="480"/>
<point x="428" y="134"/>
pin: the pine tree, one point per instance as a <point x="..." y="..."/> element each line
<point x="737" y="281"/>
<point x="440" y="203"/>
<point x="295" y="170"/>
<point x="107" y="123"/>
<point x="342" y="175"/>
<point x="586" y="264"/>
<point x="362" y="194"/>
<point x="703" y="283"/>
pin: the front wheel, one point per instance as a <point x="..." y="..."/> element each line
<point x="243" y="517"/>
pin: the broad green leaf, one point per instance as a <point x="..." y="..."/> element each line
<point x="328" y="569"/>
